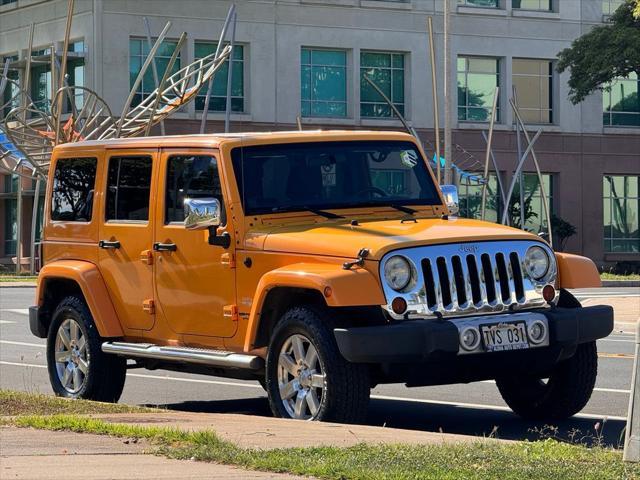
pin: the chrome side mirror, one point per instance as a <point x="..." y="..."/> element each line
<point x="201" y="213"/>
<point x="450" y="194"/>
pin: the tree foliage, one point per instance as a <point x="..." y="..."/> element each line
<point x="603" y="54"/>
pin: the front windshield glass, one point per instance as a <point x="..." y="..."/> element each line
<point x="331" y="175"/>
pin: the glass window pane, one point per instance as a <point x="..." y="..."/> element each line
<point x="328" y="57"/>
<point x="73" y="189"/>
<point x="128" y="187"/>
<point x="323" y="83"/>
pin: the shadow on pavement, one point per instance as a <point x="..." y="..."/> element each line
<point x="445" y="418"/>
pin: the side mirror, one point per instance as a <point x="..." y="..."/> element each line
<point x="450" y="194"/>
<point x="201" y="213"/>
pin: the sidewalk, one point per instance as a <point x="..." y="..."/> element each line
<point x="626" y="311"/>
<point x="268" y="433"/>
<point x="27" y="454"/>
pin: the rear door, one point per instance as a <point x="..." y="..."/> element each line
<point x="195" y="281"/>
<point x="126" y="235"/>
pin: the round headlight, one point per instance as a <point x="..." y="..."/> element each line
<point x="397" y="272"/>
<point x="536" y="262"/>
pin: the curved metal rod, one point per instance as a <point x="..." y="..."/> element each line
<point x="488" y="152"/>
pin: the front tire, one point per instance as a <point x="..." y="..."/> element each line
<point x="307" y="377"/>
<point x="566" y="392"/>
<point x="78" y="368"/>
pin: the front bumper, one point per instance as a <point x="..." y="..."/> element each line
<point x="418" y="341"/>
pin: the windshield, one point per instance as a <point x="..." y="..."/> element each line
<point x="324" y="175"/>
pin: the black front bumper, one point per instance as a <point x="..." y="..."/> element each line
<point x="417" y="341"/>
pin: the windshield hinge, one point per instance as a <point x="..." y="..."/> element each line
<point x="362" y="254"/>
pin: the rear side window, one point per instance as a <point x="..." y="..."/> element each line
<point x="190" y="176"/>
<point x="73" y="189"/>
<point x="128" y="187"/>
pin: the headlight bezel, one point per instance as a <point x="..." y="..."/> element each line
<point x="527" y="262"/>
<point x="410" y="270"/>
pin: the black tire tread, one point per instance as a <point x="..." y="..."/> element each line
<point x="348" y="388"/>
<point x="107" y="372"/>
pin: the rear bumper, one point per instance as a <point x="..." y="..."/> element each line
<point x="418" y="341"/>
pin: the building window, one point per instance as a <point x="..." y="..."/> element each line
<point x="218" y="99"/>
<point x="621" y="208"/>
<point x="10" y="226"/>
<point x="11" y="183"/>
<point x="10" y="97"/>
<point x="386" y="70"/>
<point x="138" y="52"/>
<point x="323" y="83"/>
<point x="470" y="195"/>
<point x="478" y="78"/>
<point x="609" y="7"/>
<point x="539" y="5"/>
<point x="7" y="2"/>
<point x="533" y="81"/>
<point x="621" y="104"/>
<point x="480" y="3"/>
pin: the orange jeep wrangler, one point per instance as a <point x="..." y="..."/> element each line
<point x="318" y="263"/>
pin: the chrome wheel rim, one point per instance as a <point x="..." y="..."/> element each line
<point x="71" y="356"/>
<point x="301" y="379"/>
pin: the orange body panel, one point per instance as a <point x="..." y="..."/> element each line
<point x="575" y="271"/>
<point x="87" y="276"/>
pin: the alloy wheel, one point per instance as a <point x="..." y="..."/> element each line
<point x="71" y="356"/>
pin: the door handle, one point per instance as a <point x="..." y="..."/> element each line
<point x="165" y="247"/>
<point x="107" y="244"/>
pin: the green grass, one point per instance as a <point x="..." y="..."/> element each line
<point x="21" y="403"/>
<point x="542" y="460"/>
<point x="9" y="278"/>
<point x="616" y="276"/>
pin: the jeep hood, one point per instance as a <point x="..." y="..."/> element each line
<point x="341" y="239"/>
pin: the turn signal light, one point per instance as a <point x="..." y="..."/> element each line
<point x="399" y="305"/>
<point x="548" y="293"/>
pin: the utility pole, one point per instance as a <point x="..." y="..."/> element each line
<point x="448" y="150"/>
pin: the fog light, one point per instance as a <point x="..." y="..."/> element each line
<point x="470" y="338"/>
<point x="537" y="332"/>
<point x="548" y="293"/>
<point x="399" y="305"/>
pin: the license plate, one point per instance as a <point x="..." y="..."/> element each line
<point x="500" y="337"/>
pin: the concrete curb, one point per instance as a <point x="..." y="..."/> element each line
<point x="18" y="284"/>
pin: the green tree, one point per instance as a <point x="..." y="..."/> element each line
<point x="603" y="54"/>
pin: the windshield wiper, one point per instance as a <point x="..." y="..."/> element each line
<point x="322" y="213"/>
<point x="401" y="208"/>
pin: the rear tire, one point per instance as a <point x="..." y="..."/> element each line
<point x="78" y="368"/>
<point x="566" y="392"/>
<point x="307" y="377"/>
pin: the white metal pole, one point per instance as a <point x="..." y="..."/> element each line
<point x="19" y="227"/>
<point x="154" y="67"/>
<point x="448" y="150"/>
<point x="227" y="113"/>
<point x="434" y="85"/>
<point x="488" y="153"/>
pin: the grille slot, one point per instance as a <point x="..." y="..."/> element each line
<point x="460" y="281"/>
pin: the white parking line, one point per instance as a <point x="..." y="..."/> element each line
<point x="377" y="397"/>
<point x="21" y="311"/>
<point x="597" y="389"/>
<point x="24" y="344"/>
<point x="6" y="321"/>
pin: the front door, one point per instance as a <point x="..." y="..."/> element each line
<point x="126" y="232"/>
<point x="195" y="281"/>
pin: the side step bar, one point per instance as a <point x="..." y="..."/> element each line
<point x="214" y="358"/>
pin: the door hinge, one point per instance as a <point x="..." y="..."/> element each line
<point x="231" y="312"/>
<point x="149" y="306"/>
<point x="228" y="259"/>
<point x="146" y="257"/>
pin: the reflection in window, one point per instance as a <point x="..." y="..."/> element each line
<point x="478" y="78"/>
<point x="138" y="52"/>
<point x="609" y="7"/>
<point x="323" y="83"/>
<point x="533" y="81"/>
<point x="621" y="205"/>
<point x="10" y="226"/>
<point x="470" y="199"/>
<point x="621" y="105"/>
<point x="218" y="100"/>
<point x="540" y="5"/>
<point x="190" y="176"/>
<point x="10" y="97"/>
<point x="480" y="3"/>
<point x="128" y="187"/>
<point x="386" y="70"/>
<point x="73" y="188"/>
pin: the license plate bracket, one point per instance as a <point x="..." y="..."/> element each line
<point x="500" y="337"/>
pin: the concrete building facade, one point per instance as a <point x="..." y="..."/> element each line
<point x="308" y="57"/>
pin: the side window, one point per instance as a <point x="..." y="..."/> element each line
<point x="190" y="176"/>
<point x="129" y="183"/>
<point x="73" y="187"/>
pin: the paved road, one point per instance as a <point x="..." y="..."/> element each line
<point x="474" y="409"/>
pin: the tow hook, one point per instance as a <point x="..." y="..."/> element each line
<point x="362" y="254"/>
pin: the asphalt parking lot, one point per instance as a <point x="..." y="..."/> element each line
<point x="473" y="409"/>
